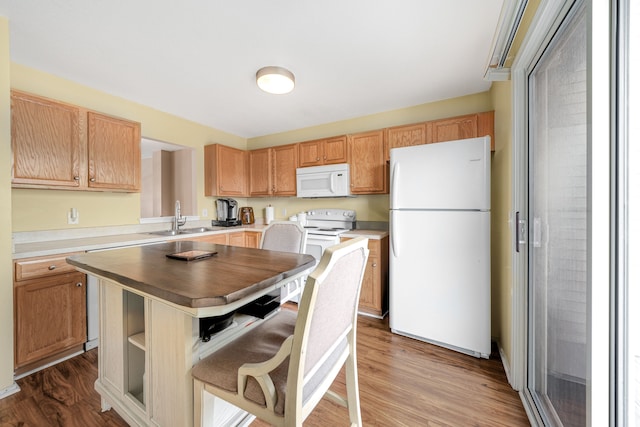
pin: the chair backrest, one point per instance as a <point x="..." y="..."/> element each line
<point x="327" y="315"/>
<point x="284" y="236"/>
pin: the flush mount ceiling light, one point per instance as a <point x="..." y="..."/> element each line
<point x="276" y="80"/>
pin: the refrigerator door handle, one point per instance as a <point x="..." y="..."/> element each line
<point x="394" y="248"/>
<point x="394" y="179"/>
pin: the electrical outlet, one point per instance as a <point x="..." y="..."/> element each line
<point x="284" y="212"/>
<point x="205" y="213"/>
<point x="73" y="217"/>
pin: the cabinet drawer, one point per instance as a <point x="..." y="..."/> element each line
<point x="41" y="267"/>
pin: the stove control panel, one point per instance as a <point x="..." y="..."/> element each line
<point x="332" y="214"/>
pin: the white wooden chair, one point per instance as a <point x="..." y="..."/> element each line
<point x="281" y="369"/>
<point x="286" y="236"/>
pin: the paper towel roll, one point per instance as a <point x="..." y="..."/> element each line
<point x="268" y="214"/>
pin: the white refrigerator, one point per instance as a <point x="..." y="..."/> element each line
<point x="440" y="244"/>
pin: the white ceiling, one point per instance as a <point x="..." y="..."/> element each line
<point x="197" y="59"/>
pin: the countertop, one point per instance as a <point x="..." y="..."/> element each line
<point x="371" y="234"/>
<point x="231" y="274"/>
<point x="34" y="244"/>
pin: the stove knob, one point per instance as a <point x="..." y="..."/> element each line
<point x="328" y="213"/>
<point x="311" y="213"/>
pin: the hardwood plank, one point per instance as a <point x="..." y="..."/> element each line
<point x="403" y="382"/>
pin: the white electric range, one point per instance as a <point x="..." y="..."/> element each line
<point x="324" y="227"/>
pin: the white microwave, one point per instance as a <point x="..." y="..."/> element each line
<point x="323" y="181"/>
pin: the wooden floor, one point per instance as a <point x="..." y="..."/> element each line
<point x="403" y="382"/>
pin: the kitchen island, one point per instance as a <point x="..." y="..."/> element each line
<point x="149" y="310"/>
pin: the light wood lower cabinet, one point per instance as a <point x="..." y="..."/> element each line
<point x="252" y="239"/>
<point x="219" y="239"/>
<point x="374" y="295"/>
<point x="247" y="239"/>
<point x="49" y="311"/>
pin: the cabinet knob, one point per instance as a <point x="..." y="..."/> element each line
<point x="79" y="285"/>
<point x="52" y="267"/>
<point x="317" y="159"/>
<point x="92" y="179"/>
<point x="374" y="265"/>
<point x="76" y="178"/>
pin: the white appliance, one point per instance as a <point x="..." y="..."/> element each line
<point x="323" y="181"/>
<point x="440" y="278"/>
<point x="324" y="227"/>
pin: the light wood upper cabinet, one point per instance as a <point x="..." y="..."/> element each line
<point x="46" y="142"/>
<point x="59" y="145"/>
<point x="323" y="151"/>
<point x="260" y="171"/>
<point x="225" y="171"/>
<point x="367" y="162"/>
<point x="461" y="127"/>
<point x="113" y="153"/>
<point x="407" y="136"/>
<point x="285" y="162"/>
<point x="272" y="171"/>
<point x="455" y="128"/>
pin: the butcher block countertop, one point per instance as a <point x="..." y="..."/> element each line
<point x="230" y="275"/>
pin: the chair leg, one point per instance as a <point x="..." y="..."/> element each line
<point x="353" y="394"/>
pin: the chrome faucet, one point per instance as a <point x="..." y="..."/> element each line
<point x="178" y="219"/>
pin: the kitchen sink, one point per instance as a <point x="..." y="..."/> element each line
<point x="165" y="233"/>
<point x="196" y="230"/>
<point x="183" y="231"/>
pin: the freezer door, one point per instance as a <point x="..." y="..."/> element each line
<point x="446" y="175"/>
<point x="440" y="279"/>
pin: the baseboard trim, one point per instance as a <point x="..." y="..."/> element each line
<point x="12" y="389"/>
<point x="505" y="365"/>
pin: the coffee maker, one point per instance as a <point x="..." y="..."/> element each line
<point x="227" y="209"/>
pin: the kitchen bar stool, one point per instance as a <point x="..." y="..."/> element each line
<point x="280" y="370"/>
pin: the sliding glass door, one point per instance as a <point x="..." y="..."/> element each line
<point x="628" y="207"/>
<point x="558" y="218"/>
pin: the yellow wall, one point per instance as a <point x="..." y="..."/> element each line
<point x="6" y="281"/>
<point x="435" y="110"/>
<point x="501" y="246"/>
<point x="47" y="209"/>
